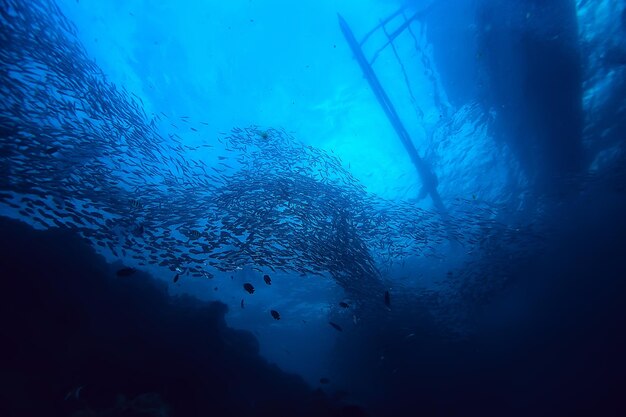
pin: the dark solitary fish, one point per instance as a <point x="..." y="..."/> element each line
<point x="139" y="230"/>
<point x="125" y="272"/>
<point x="324" y="380"/>
<point x="336" y="326"/>
<point x="387" y="299"/>
<point x="176" y="277"/>
<point x="52" y="150"/>
<point x="136" y="204"/>
<point x="242" y="303"/>
<point x="267" y="279"/>
<point x="343" y="304"/>
<point x="248" y="287"/>
<point x="275" y="314"/>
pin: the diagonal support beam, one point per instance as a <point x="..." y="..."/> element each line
<point x="429" y="180"/>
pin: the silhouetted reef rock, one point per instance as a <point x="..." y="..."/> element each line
<point x="80" y="341"/>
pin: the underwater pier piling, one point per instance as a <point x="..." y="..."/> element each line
<point x="429" y="182"/>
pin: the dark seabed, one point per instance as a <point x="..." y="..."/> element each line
<point x="68" y="322"/>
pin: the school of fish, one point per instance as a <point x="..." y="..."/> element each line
<point x="79" y="152"/>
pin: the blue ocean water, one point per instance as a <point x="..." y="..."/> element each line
<point x="252" y="208"/>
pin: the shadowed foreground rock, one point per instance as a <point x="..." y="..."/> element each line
<point x="69" y="322"/>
